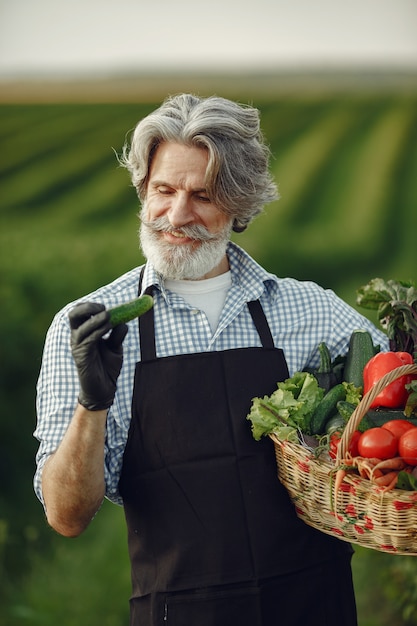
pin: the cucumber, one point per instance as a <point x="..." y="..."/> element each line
<point x="328" y="373"/>
<point x="326" y="409"/>
<point x="336" y="422"/>
<point x="346" y="409"/>
<point x="361" y="350"/>
<point x="325" y="359"/>
<point x="126" y="312"/>
<point x="324" y="374"/>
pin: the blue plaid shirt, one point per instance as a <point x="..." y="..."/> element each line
<point x="300" y="316"/>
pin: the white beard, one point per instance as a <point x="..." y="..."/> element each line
<point x="182" y="262"/>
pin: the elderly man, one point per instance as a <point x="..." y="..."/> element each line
<point x="155" y="418"/>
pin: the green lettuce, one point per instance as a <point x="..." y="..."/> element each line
<point x="288" y="410"/>
<point x="353" y="394"/>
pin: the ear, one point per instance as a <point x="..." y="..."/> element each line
<point x="237" y="228"/>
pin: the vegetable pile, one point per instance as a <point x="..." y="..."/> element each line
<point x="313" y="407"/>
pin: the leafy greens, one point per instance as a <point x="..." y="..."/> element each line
<point x="396" y="304"/>
<point x="288" y="410"/>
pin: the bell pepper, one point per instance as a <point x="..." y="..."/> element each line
<point x="395" y="395"/>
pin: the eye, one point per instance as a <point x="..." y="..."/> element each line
<point x="202" y="198"/>
<point x="165" y="191"/>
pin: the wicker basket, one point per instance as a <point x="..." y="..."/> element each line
<point x="360" y="512"/>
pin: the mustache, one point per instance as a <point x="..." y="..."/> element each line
<point x="193" y="231"/>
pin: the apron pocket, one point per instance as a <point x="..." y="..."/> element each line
<point x="236" y="606"/>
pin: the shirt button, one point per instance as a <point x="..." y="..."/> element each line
<point x="195" y="311"/>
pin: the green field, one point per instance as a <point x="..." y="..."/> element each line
<point x="346" y="165"/>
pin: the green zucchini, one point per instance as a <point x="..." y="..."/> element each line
<point x="126" y="312"/>
<point x="324" y="373"/>
<point x="361" y="350"/>
<point x="326" y="408"/>
<point x="372" y="418"/>
<point x="379" y="417"/>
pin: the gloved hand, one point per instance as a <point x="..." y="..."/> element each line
<point x="98" y="360"/>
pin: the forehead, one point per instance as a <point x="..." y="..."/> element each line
<point x="174" y="162"/>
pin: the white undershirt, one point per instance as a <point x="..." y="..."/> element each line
<point x="207" y="295"/>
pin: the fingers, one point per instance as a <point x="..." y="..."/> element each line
<point x="98" y="359"/>
<point x="90" y="321"/>
<point x="82" y="312"/>
<point x="116" y="337"/>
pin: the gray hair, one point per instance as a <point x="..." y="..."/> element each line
<point x="238" y="180"/>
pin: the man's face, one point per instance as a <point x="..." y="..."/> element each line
<point x="183" y="233"/>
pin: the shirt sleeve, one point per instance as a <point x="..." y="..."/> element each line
<point x="57" y="394"/>
<point x="57" y="397"/>
<point x="344" y="320"/>
<point x="306" y="314"/>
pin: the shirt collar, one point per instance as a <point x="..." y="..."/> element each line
<point x="251" y="277"/>
<point x="151" y="278"/>
<point x="246" y="273"/>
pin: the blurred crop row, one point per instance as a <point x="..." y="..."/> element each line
<point x="347" y="173"/>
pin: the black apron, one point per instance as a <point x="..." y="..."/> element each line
<point x="212" y="533"/>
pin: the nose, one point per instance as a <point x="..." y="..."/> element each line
<point x="180" y="211"/>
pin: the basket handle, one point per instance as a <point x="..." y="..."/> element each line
<point x="365" y="403"/>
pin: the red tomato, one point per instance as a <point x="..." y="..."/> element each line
<point x="353" y="444"/>
<point x="407" y="446"/>
<point x="378" y="443"/>
<point x="398" y="427"/>
<point x="333" y="443"/>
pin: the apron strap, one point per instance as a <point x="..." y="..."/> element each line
<point x="147" y="329"/>
<point x="261" y="323"/>
<point x="146" y="326"/>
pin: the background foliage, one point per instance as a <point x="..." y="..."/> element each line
<point x="347" y="169"/>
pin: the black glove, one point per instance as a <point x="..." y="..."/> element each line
<point x="98" y="360"/>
